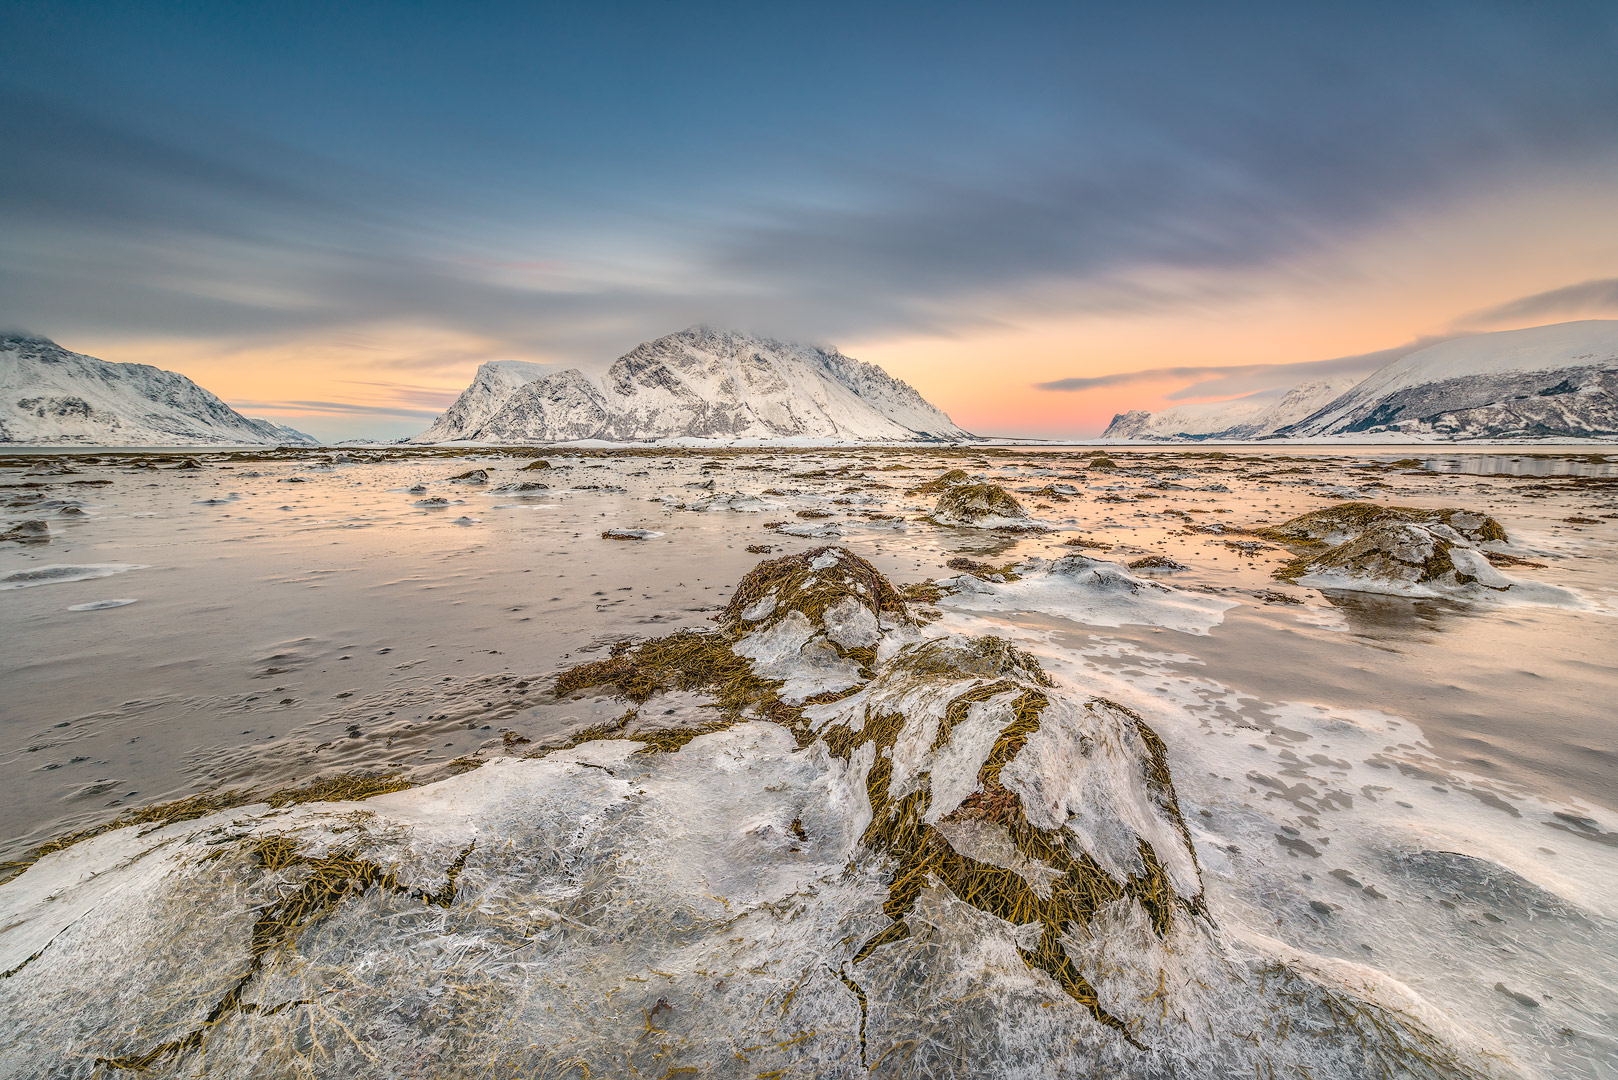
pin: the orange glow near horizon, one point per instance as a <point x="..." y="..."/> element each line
<point x="1410" y="279"/>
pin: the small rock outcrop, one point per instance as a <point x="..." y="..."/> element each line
<point x="982" y="506"/>
<point x="32" y="531"/>
<point x="1396" y="549"/>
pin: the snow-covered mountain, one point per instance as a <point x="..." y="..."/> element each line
<point x="1546" y="381"/>
<point x="51" y="396"/>
<point x="1251" y="417"/>
<point x="492" y="386"/>
<point x="698" y="383"/>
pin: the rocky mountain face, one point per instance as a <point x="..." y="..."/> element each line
<point x="50" y="396"/>
<point x="1558" y="381"/>
<point x="699" y="383"/>
<point x="492" y="386"/>
<point x="1252" y="417"/>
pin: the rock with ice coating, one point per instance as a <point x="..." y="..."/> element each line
<point x="1343" y="521"/>
<point x="1401" y="550"/>
<point x="32" y="531"/>
<point x="962" y="866"/>
<point x="982" y="506"/>
<point x="1093" y="592"/>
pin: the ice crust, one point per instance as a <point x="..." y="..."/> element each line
<point x="1090" y="591"/>
<point x="729" y="908"/>
<point x="57" y="575"/>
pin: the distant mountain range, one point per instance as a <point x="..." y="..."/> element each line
<point x="1253" y="417"/>
<point x="1558" y="381"/>
<point x="698" y="383"/>
<point x="50" y="396"/>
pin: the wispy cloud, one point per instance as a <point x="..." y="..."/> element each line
<point x="1238" y="379"/>
<point x="1113" y="194"/>
<point x="347" y="408"/>
<point x="432" y="397"/>
<point x="1596" y="297"/>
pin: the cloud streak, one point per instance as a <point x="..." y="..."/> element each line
<point x="1599" y="296"/>
<point x="1232" y="380"/>
<point x="1161" y="198"/>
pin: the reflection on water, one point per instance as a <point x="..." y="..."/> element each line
<point x="1524" y="464"/>
<point x="1392" y="620"/>
<point x="1362" y="775"/>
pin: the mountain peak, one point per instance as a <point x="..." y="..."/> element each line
<point x="24" y="337"/>
<point x="50" y="395"/>
<point x="701" y="382"/>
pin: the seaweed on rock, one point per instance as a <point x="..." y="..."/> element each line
<point x="931" y="858"/>
<point x="1391" y="548"/>
<point x="982" y="506"/>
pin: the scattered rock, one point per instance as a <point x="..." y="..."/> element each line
<point x="32" y="531"/>
<point x="982" y="506"/>
<point x="1156" y="562"/>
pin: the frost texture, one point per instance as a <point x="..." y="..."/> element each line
<point x="960" y="867"/>
<point x="1094" y="592"/>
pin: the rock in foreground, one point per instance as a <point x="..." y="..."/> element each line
<point x="873" y="852"/>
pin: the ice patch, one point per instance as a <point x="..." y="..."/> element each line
<point x="57" y="575"/>
<point x="1093" y="592"/>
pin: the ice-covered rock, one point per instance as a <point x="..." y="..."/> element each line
<point x="982" y="506"/>
<point x="956" y="865"/>
<point x="1343" y="521"/>
<point x="32" y="531"/>
<point x="1093" y="592"/>
<point x="1402" y="550"/>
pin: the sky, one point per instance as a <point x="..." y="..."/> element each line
<point x="1037" y="214"/>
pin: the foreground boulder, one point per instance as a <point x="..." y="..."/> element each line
<point x="941" y="862"/>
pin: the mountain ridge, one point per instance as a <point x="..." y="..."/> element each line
<point x="702" y="382"/>
<point x="53" y="396"/>
<point x="1554" y="381"/>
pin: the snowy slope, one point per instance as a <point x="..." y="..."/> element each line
<point x="1557" y="380"/>
<point x="1251" y="417"/>
<point x="49" y="395"/>
<point x="699" y="383"/>
<point x="492" y="386"/>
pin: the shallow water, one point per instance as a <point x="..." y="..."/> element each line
<point x="307" y="616"/>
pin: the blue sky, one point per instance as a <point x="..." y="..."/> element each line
<point x="240" y="187"/>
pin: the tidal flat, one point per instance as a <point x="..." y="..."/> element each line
<point x="813" y="761"/>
